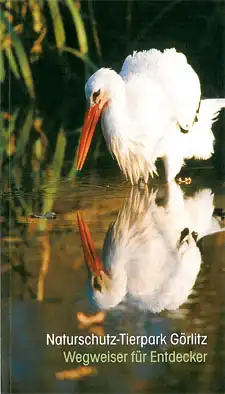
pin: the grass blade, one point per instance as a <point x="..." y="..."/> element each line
<point x="79" y="25"/>
<point x="51" y="186"/>
<point x="85" y="59"/>
<point x="57" y="23"/>
<point x="6" y="131"/>
<point x="2" y="67"/>
<point x="24" y="65"/>
<point x="1" y="141"/>
<point x="24" y="134"/>
<point x="17" y="181"/>
<point x="21" y="56"/>
<point x="59" y="154"/>
<point x="12" y="62"/>
<point x="94" y="28"/>
<point x="11" y="124"/>
<point x="73" y="170"/>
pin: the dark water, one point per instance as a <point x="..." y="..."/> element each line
<point x="46" y="285"/>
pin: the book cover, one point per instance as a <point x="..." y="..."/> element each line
<point x="112" y="196"/>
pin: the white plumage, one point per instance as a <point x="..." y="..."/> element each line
<point x="146" y="108"/>
<point x="150" y="253"/>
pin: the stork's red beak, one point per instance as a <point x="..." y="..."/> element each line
<point x="93" y="261"/>
<point x="90" y="122"/>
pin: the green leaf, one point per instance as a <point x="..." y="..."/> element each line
<point x="2" y="67"/>
<point x="1" y="140"/>
<point x="12" y="62"/>
<point x="17" y="180"/>
<point x="8" y="130"/>
<point x="24" y="134"/>
<point x="21" y="56"/>
<point x="79" y="25"/>
<point x="24" y="64"/>
<point x="57" y="23"/>
<point x="59" y="154"/>
<point x="11" y="123"/>
<point x="73" y="170"/>
<point x="85" y="58"/>
<point x="51" y="186"/>
<point x="38" y="149"/>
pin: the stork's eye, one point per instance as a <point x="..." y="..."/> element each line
<point x="96" y="284"/>
<point x="95" y="95"/>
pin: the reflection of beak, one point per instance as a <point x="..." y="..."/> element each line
<point x="90" y="122"/>
<point x="93" y="261"/>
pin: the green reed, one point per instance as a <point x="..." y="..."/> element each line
<point x="18" y="57"/>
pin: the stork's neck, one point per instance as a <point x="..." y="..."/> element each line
<point x="115" y="120"/>
<point x="119" y="130"/>
<point x="117" y="98"/>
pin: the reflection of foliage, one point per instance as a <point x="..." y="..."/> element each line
<point x="17" y="134"/>
<point x="76" y="373"/>
<point x="20" y="20"/>
<point x="45" y="247"/>
<point x="26" y="149"/>
<point x="18" y="137"/>
<point x="52" y="177"/>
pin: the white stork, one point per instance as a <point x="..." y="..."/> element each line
<point x="144" y="109"/>
<point x="150" y="253"/>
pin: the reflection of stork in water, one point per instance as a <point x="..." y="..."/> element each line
<point x="150" y="253"/>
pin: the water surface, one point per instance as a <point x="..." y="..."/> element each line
<point x="46" y="286"/>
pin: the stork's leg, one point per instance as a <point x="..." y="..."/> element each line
<point x="173" y="163"/>
<point x="142" y="185"/>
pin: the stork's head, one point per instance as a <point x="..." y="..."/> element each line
<point x="99" y="90"/>
<point x="189" y="252"/>
<point x="107" y="291"/>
